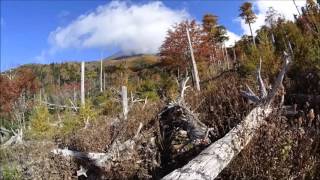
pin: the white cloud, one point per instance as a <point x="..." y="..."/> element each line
<point x="232" y="38"/>
<point x="286" y="8"/>
<point x="131" y="28"/>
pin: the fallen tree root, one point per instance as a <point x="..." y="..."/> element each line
<point x="15" y="139"/>
<point x="117" y="150"/>
<point x="211" y="161"/>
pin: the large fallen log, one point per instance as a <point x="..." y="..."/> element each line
<point x="211" y="161"/>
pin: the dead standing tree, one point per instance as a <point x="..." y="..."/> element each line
<point x="82" y="84"/>
<point x="194" y="65"/>
<point x="211" y="161"/>
<point x="124" y="98"/>
<point x="101" y="70"/>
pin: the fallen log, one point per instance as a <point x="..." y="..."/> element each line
<point x="102" y="159"/>
<point x="15" y="139"/>
<point x="211" y="161"/>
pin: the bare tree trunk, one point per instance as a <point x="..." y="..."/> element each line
<point x="40" y="94"/>
<point x="294" y="2"/>
<point x="272" y="38"/>
<point x="101" y="66"/>
<point x="194" y="65"/>
<point x="227" y="58"/>
<point x="74" y="95"/>
<point x="124" y="102"/>
<point x="82" y="84"/>
<point x="253" y="40"/>
<point x="104" y="81"/>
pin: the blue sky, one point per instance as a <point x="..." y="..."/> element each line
<point x="44" y="31"/>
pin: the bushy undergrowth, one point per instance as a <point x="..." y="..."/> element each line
<point x="222" y="106"/>
<point x="280" y="150"/>
<point x="10" y="172"/>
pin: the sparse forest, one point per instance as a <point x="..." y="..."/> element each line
<point x="196" y="110"/>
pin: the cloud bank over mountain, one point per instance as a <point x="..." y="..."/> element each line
<point x="130" y="27"/>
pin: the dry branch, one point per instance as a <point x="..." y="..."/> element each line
<point x="52" y="106"/>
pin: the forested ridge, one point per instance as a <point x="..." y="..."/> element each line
<point x="146" y="116"/>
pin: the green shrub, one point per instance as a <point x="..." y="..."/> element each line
<point x="10" y="173"/>
<point x="106" y="103"/>
<point x="87" y="112"/>
<point x="148" y="89"/>
<point x="6" y="123"/>
<point x="71" y="122"/>
<point x="40" y="123"/>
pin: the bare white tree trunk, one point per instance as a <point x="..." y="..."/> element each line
<point x="101" y="67"/>
<point x="194" y="65"/>
<point x="104" y="81"/>
<point x="82" y="84"/>
<point x="74" y="94"/>
<point x="124" y="102"/>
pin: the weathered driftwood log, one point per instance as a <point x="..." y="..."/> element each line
<point x="102" y="159"/>
<point x="211" y="161"/>
<point x="15" y="139"/>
